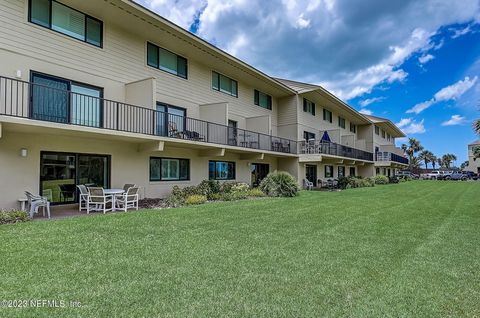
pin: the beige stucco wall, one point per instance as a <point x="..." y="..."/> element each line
<point x="128" y="164"/>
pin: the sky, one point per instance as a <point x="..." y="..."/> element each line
<point x="416" y="62"/>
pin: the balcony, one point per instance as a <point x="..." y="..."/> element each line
<point x="39" y="102"/>
<point x="388" y="156"/>
<point x="334" y="149"/>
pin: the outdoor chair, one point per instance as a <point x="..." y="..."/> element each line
<point x="128" y="186"/>
<point x="307" y="185"/>
<point x="83" y="197"/>
<point x="98" y="201"/>
<point x="35" y="202"/>
<point x="127" y="200"/>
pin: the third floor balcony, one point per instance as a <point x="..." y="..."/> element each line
<point x="330" y="148"/>
<point x="388" y="156"/>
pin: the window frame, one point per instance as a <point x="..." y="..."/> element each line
<point x="229" y="178"/>
<point x="87" y="16"/>
<point x="219" y="88"/>
<point x="343" y="169"/>
<point x="383" y="134"/>
<point x="340" y="121"/>
<point x="377" y="130"/>
<point x="354" y="171"/>
<point x="325" y="112"/>
<point x="160" y="174"/>
<point x="306" y="105"/>
<point x="331" y="170"/>
<point x="353" y="128"/>
<point x="158" y="66"/>
<point x="256" y="99"/>
<point x="308" y="133"/>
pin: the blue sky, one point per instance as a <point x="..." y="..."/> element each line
<point x="415" y="62"/>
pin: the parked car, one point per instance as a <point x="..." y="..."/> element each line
<point x="407" y="173"/>
<point x="432" y="175"/>
<point x="457" y="175"/>
<point x="471" y="175"/>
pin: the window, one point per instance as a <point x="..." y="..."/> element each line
<point x="263" y="100"/>
<point x="224" y="84"/>
<point x="166" y="61"/>
<point x="353" y="128"/>
<point x="58" y="17"/>
<point x="389" y="137"/>
<point x="170" y="120"/>
<point x="352" y="171"/>
<point x="308" y="135"/>
<point x="221" y="170"/>
<point x="341" y="122"/>
<point x="383" y="134"/>
<point x="308" y="106"/>
<point x="169" y="169"/>
<point x="327" y="115"/>
<point x="377" y="130"/>
<point x="341" y="171"/>
<point x="328" y="171"/>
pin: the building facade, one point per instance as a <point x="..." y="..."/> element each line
<point x="107" y="93"/>
<point x="473" y="163"/>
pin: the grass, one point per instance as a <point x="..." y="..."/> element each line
<point x="405" y="250"/>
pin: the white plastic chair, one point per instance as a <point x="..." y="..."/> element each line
<point x="128" y="199"/>
<point x="35" y="202"/>
<point x="308" y="185"/>
<point x="83" y="197"/>
<point x="98" y="201"/>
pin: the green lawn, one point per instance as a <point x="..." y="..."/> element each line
<point x="403" y="250"/>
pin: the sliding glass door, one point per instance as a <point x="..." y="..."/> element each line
<point x="63" y="101"/>
<point x="60" y="173"/>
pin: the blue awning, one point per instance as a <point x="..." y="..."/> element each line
<point x="325" y="137"/>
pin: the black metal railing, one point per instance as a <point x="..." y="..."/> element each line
<point x="36" y="101"/>
<point x="331" y="148"/>
<point x="389" y="156"/>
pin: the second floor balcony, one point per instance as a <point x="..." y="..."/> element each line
<point x="388" y="156"/>
<point x="57" y="105"/>
<point x="334" y="149"/>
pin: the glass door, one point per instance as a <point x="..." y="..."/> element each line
<point x="311" y="174"/>
<point x="86" y="105"/>
<point x="259" y="172"/>
<point x="232" y="133"/>
<point x="49" y="99"/>
<point x="60" y="173"/>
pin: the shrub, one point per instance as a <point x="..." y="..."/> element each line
<point x="255" y="193"/>
<point x="240" y="187"/>
<point x="195" y="199"/>
<point x="13" y="216"/>
<point x="346" y="182"/>
<point x="279" y="184"/>
<point x="381" y="179"/>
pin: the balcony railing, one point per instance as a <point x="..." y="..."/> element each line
<point x="331" y="148"/>
<point x="388" y="156"/>
<point x="35" y="101"/>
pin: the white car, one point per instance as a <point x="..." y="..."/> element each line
<point x="432" y="175"/>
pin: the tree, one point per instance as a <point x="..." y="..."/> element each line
<point x="415" y="163"/>
<point x="433" y="160"/>
<point x="464" y="165"/>
<point x="447" y="160"/>
<point x="426" y="157"/>
<point x="440" y="162"/>
<point x="476" y="126"/>
<point x="412" y="148"/>
<point x="476" y="152"/>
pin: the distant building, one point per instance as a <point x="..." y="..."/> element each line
<point x="473" y="165"/>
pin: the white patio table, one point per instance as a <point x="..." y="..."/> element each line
<point x="113" y="193"/>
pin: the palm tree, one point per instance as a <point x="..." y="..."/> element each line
<point x="448" y="159"/>
<point x="433" y="160"/>
<point x="476" y="152"/>
<point x="440" y="162"/>
<point x="415" y="163"/>
<point x="464" y="165"/>
<point x="412" y="148"/>
<point x="476" y="126"/>
<point x="425" y="156"/>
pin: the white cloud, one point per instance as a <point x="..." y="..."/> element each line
<point x="459" y="32"/>
<point x="346" y="47"/>
<point x="455" y="120"/>
<point x="451" y="92"/>
<point x="365" y="111"/>
<point x="425" y="58"/>
<point x="368" y="101"/>
<point x="410" y="126"/>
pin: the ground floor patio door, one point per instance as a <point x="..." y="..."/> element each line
<point x="259" y="172"/>
<point x="60" y="173"/>
<point x="311" y="174"/>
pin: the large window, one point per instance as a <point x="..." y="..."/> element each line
<point x="263" y="100"/>
<point x="166" y="61"/>
<point x="327" y="115"/>
<point x="341" y="122"/>
<point x="169" y="169"/>
<point x="328" y="171"/>
<point x="377" y="130"/>
<point x="224" y="84"/>
<point x="341" y="171"/>
<point x="352" y="171"/>
<point x="308" y="106"/>
<point x="383" y="134"/>
<point x="221" y="170"/>
<point x="308" y="135"/>
<point x="58" y="17"/>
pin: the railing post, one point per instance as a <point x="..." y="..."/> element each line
<point x="208" y="131"/>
